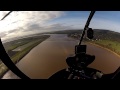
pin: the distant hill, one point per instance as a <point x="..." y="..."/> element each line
<point x="98" y="34"/>
<point x="64" y="32"/>
<point x="106" y="34"/>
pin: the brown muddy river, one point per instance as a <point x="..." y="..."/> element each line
<point x="50" y="55"/>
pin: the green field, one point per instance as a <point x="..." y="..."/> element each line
<point x="26" y="44"/>
<point x="105" y="38"/>
<point x="112" y="45"/>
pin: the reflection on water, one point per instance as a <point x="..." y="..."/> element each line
<point x="49" y="57"/>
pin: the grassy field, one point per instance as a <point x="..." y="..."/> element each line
<point x="106" y="39"/>
<point x="109" y="44"/>
<point x="112" y="45"/>
<point x="28" y="43"/>
<point x="22" y="53"/>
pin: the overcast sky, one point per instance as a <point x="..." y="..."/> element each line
<point x="20" y="23"/>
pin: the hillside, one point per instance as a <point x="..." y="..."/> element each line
<point x="64" y="32"/>
<point x="107" y="35"/>
<point x="104" y="38"/>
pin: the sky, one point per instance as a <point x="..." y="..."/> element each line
<point x="21" y="23"/>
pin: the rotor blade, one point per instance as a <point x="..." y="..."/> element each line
<point x="6" y="15"/>
<point x="87" y="24"/>
<point x="9" y="63"/>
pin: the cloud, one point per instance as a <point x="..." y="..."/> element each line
<point x="11" y="31"/>
<point x="26" y="18"/>
<point x="59" y="26"/>
<point x="48" y="27"/>
<point x="29" y="22"/>
<point x="17" y="23"/>
<point x="3" y="34"/>
<point x="34" y="27"/>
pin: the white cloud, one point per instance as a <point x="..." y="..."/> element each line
<point x="22" y="20"/>
<point x="30" y="22"/>
<point x="26" y="18"/>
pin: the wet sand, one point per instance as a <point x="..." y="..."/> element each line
<point x="49" y="57"/>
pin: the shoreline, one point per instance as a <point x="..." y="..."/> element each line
<point x="100" y="47"/>
<point x="15" y="62"/>
<point x="104" y="48"/>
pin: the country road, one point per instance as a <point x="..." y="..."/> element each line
<point x="49" y="57"/>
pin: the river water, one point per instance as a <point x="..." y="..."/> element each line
<point x="50" y="55"/>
